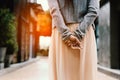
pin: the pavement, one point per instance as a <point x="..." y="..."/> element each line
<point x="17" y="66"/>
<point x="38" y="70"/>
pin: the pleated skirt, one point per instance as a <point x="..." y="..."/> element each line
<point x="66" y="63"/>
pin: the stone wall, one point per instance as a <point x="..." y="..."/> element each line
<point x="104" y="36"/>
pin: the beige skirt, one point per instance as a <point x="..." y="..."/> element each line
<point x="68" y="64"/>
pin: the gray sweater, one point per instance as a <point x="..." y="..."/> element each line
<point x="83" y="12"/>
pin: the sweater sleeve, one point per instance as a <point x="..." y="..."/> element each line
<point x="89" y="18"/>
<point x="58" y="20"/>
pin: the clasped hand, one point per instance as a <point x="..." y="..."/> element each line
<point x="73" y="42"/>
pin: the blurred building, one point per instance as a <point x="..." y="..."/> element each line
<point x="30" y="18"/>
<point x="108" y="42"/>
<point x="108" y="53"/>
<point x="32" y="23"/>
<point x="26" y="13"/>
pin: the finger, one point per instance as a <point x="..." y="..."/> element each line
<point x="72" y="38"/>
<point x="67" y="42"/>
<point x="75" y="47"/>
<point x="77" y="41"/>
<point x="78" y="44"/>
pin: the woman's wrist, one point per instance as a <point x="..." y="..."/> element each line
<point x="66" y="35"/>
<point x="78" y="35"/>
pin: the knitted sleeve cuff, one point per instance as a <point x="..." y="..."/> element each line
<point x="66" y="34"/>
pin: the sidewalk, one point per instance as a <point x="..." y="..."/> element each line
<point x="17" y="66"/>
<point x="39" y="71"/>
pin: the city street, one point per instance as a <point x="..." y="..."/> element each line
<point x="26" y="27"/>
<point x="38" y="71"/>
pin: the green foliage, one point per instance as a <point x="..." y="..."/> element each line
<point x="8" y="30"/>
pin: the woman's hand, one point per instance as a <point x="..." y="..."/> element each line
<point x="73" y="42"/>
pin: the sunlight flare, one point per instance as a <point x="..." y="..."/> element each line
<point x="44" y="4"/>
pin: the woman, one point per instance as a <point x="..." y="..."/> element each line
<point x="72" y="53"/>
